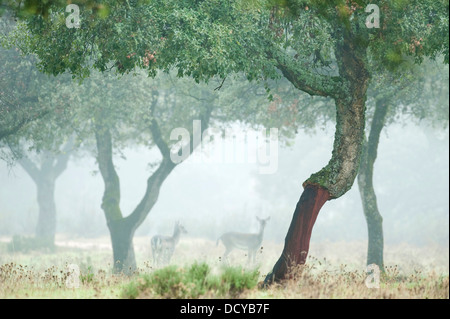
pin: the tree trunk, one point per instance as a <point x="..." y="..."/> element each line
<point x="121" y="228"/>
<point x="45" y="178"/>
<point x="338" y="176"/>
<point x="122" y="233"/>
<point x="296" y="245"/>
<point x="366" y="189"/>
<point x="46" y="225"/>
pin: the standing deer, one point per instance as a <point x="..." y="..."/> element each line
<point x="249" y="242"/>
<point x="164" y="246"/>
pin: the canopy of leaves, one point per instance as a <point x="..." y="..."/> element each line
<point x="218" y="37"/>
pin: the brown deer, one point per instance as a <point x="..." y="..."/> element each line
<point x="163" y="247"/>
<point x="244" y="241"/>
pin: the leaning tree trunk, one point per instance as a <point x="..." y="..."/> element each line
<point x="338" y="176"/>
<point x="366" y="189"/>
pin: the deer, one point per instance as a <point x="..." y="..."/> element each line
<point x="244" y="241"/>
<point x="163" y="247"/>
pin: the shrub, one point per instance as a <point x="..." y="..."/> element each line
<point x="193" y="281"/>
<point x="26" y="244"/>
<point x="234" y="280"/>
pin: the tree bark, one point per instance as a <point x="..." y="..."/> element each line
<point x="46" y="224"/>
<point x="52" y="166"/>
<point x="338" y="176"/>
<point x="296" y="245"/>
<point x="365" y="184"/>
<point x="120" y="231"/>
<point x="121" y="228"/>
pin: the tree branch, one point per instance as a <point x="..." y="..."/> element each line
<point x="63" y="158"/>
<point x="166" y="166"/>
<point x="29" y="167"/>
<point x="306" y="80"/>
<point x="155" y="129"/>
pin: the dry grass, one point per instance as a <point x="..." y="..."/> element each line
<point x="333" y="270"/>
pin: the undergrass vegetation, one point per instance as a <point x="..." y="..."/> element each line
<point x="192" y="281"/>
<point x="197" y="272"/>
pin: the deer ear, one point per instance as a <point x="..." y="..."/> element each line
<point x="257" y="217"/>
<point x="267" y="218"/>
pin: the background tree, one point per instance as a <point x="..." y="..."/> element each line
<point x="44" y="172"/>
<point x="19" y="87"/>
<point x="32" y="97"/>
<point x="135" y="110"/>
<point x="414" y="95"/>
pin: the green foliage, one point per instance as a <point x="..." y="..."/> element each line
<point x="413" y="93"/>
<point x="30" y="101"/>
<point x="192" y="282"/>
<point x="87" y="275"/>
<point x="235" y="280"/>
<point x="320" y="46"/>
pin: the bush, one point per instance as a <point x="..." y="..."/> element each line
<point x="235" y="280"/>
<point x="26" y="244"/>
<point x="192" y="282"/>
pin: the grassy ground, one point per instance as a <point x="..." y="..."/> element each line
<point x="333" y="270"/>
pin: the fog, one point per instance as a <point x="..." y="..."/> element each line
<point x="411" y="180"/>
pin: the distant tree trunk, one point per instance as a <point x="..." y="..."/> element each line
<point x="366" y="189"/>
<point x="121" y="232"/>
<point x="45" y="176"/>
<point x="121" y="228"/>
<point x="338" y="176"/>
<point x="46" y="225"/>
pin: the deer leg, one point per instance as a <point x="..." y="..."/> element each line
<point x="155" y="256"/>
<point x="249" y="255"/>
<point x="225" y="255"/>
<point x="169" y="255"/>
<point x="164" y="257"/>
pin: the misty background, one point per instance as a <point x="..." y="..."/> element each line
<point x="411" y="179"/>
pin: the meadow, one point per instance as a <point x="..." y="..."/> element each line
<point x="333" y="271"/>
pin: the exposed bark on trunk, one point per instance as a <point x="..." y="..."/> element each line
<point x="338" y="176"/>
<point x="297" y="240"/>
<point x="366" y="189"/>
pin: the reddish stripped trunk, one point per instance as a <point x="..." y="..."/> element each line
<point x="299" y="234"/>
